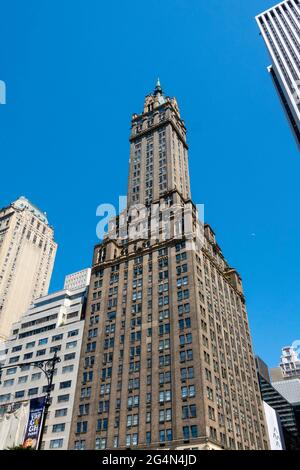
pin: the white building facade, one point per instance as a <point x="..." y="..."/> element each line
<point x="280" y="29"/>
<point x="290" y="363"/>
<point x="53" y="323"/>
<point x="27" y="253"/>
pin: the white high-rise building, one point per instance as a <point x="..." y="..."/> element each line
<point x="280" y="29"/>
<point x="53" y="323"/>
<point x="290" y="363"/>
<point x="27" y="253"/>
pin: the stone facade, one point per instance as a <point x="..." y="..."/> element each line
<point x="166" y="359"/>
<point x="27" y="253"/>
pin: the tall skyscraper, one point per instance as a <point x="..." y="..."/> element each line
<point x="54" y="323"/>
<point x="166" y="359"/>
<point x="280" y="28"/>
<point x="27" y="253"/>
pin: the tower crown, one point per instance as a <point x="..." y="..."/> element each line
<point x="158" y="153"/>
<point x="155" y="99"/>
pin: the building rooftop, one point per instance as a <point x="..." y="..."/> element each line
<point x="23" y="203"/>
<point x="289" y="389"/>
<point x="271" y="8"/>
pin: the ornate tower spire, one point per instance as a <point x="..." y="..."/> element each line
<point x="158" y="153"/>
<point x="158" y="88"/>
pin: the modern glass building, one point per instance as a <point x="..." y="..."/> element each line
<point x="280" y="29"/>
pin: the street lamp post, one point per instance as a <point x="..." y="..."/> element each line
<point x="47" y="366"/>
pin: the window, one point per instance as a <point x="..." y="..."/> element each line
<point x="41" y="352"/>
<point x="186" y="355"/>
<point x="131" y="439"/>
<point x="20" y="394"/>
<point x="43" y="341"/>
<point x="8" y="383"/>
<point x="28" y="356"/>
<point x="65" y="384"/>
<point x="184" y="323"/>
<point x="67" y="369"/>
<point x="81" y="427"/>
<point x="210" y="393"/>
<point x="71" y="345"/>
<point x="103" y="406"/>
<point x="61" y="412"/>
<point x="190" y="431"/>
<point x="132" y="420"/>
<point x="165" y="435"/>
<point x="84" y="409"/>
<point x="133" y="401"/>
<point x="73" y="333"/>
<point x="79" y="445"/>
<point x="45" y="388"/>
<point x="60" y="427"/>
<point x="187" y="373"/>
<point x="186" y="432"/>
<point x="57" y="337"/>
<point x="63" y="398"/>
<point x="165" y="377"/>
<point x="85" y="392"/>
<point x="165" y="415"/>
<point x="189" y="412"/>
<point x="69" y="357"/>
<point x="211" y="413"/>
<point x="165" y="396"/>
<point x="183" y="294"/>
<point x="183" y="308"/>
<point x="100" y="443"/>
<point x="5" y="397"/>
<point x="188" y="391"/>
<point x="33" y="391"/>
<point x="102" y="424"/>
<point x="23" y="379"/>
<point x="56" y="443"/>
<point x="116" y="441"/>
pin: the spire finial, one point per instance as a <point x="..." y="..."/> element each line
<point x="158" y="88"/>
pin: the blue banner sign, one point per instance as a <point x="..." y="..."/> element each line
<point x="32" y="434"/>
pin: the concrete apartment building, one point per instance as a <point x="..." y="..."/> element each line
<point x="280" y="29"/>
<point x="53" y="323"/>
<point x="167" y="360"/>
<point x="27" y="253"/>
<point x="290" y="363"/>
<point x="289" y="366"/>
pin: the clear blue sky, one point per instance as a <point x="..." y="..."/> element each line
<point x="75" y="72"/>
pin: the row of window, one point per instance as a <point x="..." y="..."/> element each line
<point x="42" y="352"/>
<point x="165" y="435"/>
